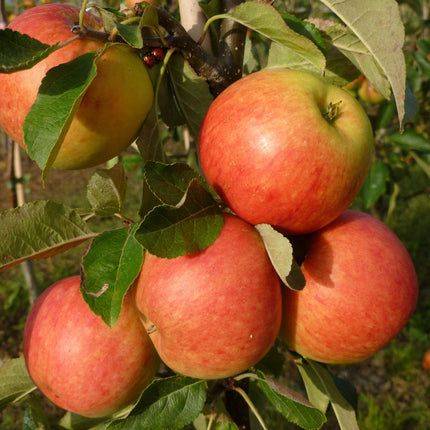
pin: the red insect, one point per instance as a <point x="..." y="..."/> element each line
<point x="158" y="54"/>
<point x="149" y="60"/>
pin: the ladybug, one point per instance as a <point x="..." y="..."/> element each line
<point x="149" y="60"/>
<point x="158" y="54"/>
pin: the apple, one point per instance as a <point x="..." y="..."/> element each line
<point x="283" y="147"/>
<point x="368" y="93"/>
<point x="77" y="361"/>
<point x="426" y="360"/>
<point x="361" y="289"/>
<point x="114" y="106"/>
<point x="214" y="313"/>
<point x="354" y="85"/>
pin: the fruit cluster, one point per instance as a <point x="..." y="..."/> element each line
<point x="280" y="147"/>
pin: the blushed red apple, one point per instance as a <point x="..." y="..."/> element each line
<point x="215" y="313"/>
<point x="114" y="106"/>
<point x="361" y="289"/>
<point x="80" y="363"/>
<point x="283" y="147"/>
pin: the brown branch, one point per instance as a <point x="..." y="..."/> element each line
<point x="3" y="16"/>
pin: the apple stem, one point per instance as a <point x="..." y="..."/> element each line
<point x="251" y="406"/>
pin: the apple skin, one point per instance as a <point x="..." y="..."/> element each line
<point x="80" y="363"/>
<point x="214" y="313"/>
<point x="368" y="93"/>
<point x="361" y="289"/>
<point x="270" y="154"/>
<point x="114" y="106"/>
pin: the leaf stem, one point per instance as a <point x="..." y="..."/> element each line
<point x="211" y="420"/>
<point x="251" y="406"/>
<point x="82" y="14"/>
<point x="249" y="375"/>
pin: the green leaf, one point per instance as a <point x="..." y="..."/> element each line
<point x="425" y="167"/>
<point x="272" y="363"/>
<point x="375" y="184"/>
<point x="217" y="414"/>
<point x="167" y="404"/>
<point x="193" y="225"/>
<point x="39" y="229"/>
<point x="410" y="139"/>
<point x="385" y="115"/>
<point x="291" y="404"/>
<point x="15" y="382"/>
<point x="296" y="279"/>
<point x="106" y="190"/>
<point x="324" y="385"/>
<point x="263" y="18"/>
<point x="346" y="42"/>
<point x="305" y="28"/>
<point x="314" y="388"/>
<point x="57" y="101"/>
<point x="192" y="93"/>
<point x="109" y="17"/>
<point x="379" y="28"/>
<point x="71" y="421"/>
<point x="19" y="51"/>
<point x="131" y="34"/>
<point x="170" y="110"/>
<point x="110" y="266"/>
<point x="149" y="16"/>
<point x="34" y="416"/>
<point x="150" y="147"/>
<point x="279" y="249"/>
<point x="169" y="182"/>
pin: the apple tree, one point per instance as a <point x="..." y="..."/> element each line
<point x="192" y="52"/>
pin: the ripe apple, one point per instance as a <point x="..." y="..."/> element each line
<point x="426" y="360"/>
<point x="283" y="147"/>
<point x="368" y="93"/>
<point x="354" y="85"/>
<point x="114" y="106"/>
<point x="214" y="313"/>
<point x="361" y="289"/>
<point x="80" y="363"/>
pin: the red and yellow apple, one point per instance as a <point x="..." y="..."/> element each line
<point x="214" y="313"/>
<point x="283" y="147"/>
<point x="368" y="93"/>
<point x="361" y="289"/>
<point x="112" y="109"/>
<point x="80" y="363"/>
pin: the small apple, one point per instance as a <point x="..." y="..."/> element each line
<point x="368" y="93"/>
<point x="114" y="106"/>
<point x="214" y="313"/>
<point x="80" y="363"/>
<point x="354" y="85"/>
<point x="282" y="147"/>
<point x="426" y="360"/>
<point x="10" y="18"/>
<point x="28" y="4"/>
<point x="361" y="289"/>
